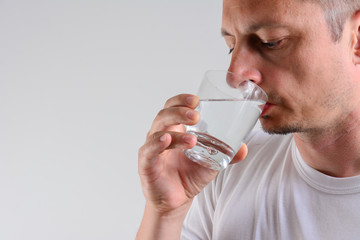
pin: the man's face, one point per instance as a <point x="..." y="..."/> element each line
<point x="286" y="47"/>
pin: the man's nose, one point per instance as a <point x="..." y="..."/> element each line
<point x="244" y="66"/>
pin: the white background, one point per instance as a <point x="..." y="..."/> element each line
<point x="80" y="83"/>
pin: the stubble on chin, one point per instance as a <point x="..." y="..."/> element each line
<point x="283" y="130"/>
<point x="280" y="129"/>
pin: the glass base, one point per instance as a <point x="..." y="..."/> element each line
<point x="210" y="152"/>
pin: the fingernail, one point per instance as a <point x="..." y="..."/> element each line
<point x="163" y="138"/>
<point x="189" y="100"/>
<point x="191" y="114"/>
<point x="188" y="139"/>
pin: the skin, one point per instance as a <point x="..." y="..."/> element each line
<point x="170" y="181"/>
<point x="312" y="83"/>
<point x="305" y="81"/>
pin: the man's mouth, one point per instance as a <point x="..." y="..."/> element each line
<point x="266" y="108"/>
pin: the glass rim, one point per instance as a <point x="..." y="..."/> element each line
<point x="256" y="87"/>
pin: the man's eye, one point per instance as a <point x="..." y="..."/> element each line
<point x="272" y="45"/>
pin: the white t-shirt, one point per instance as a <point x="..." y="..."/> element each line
<point x="274" y="194"/>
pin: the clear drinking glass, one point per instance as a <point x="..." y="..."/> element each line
<point x="229" y="107"/>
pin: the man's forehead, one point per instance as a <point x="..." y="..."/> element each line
<point x="253" y="4"/>
<point x="253" y="14"/>
<point x="274" y="6"/>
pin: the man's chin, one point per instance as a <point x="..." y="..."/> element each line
<point x="281" y="129"/>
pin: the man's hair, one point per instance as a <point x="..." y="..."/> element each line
<point x="337" y="12"/>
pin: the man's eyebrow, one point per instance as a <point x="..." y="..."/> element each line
<point x="256" y="27"/>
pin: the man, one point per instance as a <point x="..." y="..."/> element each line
<point x="302" y="184"/>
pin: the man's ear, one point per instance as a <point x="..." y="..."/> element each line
<point x="356" y="37"/>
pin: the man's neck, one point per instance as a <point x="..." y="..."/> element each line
<point x="335" y="151"/>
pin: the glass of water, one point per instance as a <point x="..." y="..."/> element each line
<point x="229" y="108"/>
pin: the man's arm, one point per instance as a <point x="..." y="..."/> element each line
<point x="158" y="226"/>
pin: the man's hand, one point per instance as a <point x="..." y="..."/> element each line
<point x="169" y="179"/>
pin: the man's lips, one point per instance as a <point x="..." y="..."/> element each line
<point x="266" y="108"/>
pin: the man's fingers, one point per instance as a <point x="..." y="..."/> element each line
<point x="158" y="142"/>
<point x="177" y="110"/>
<point x="186" y="100"/>
<point x="173" y="116"/>
<point x="240" y="155"/>
<point x="154" y="145"/>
